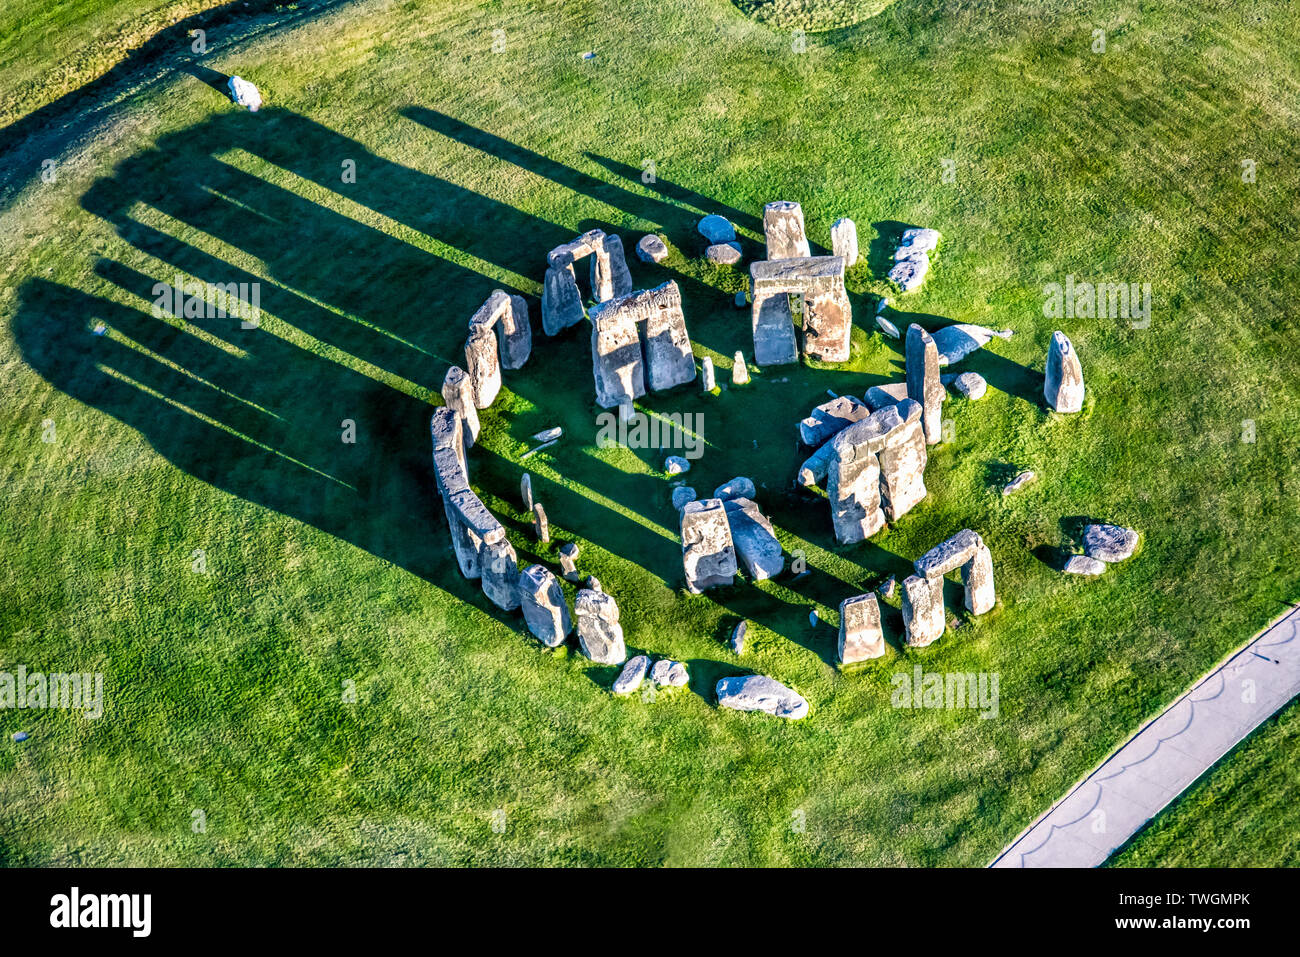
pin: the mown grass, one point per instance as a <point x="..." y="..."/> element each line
<point x="327" y="563"/>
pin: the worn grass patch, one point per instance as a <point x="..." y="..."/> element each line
<point x="812" y="15"/>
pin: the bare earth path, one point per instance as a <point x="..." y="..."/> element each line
<point x="1166" y="756"/>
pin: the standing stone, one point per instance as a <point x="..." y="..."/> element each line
<point x="600" y="636"/>
<point x="708" y="380"/>
<point x="902" y="463"/>
<point x="861" y="637"/>
<point x="561" y="299"/>
<point x="1063" y="387"/>
<point x="458" y="393"/>
<point x="651" y="249"/>
<point x="756" y="542"/>
<point x="773" y="325"/>
<point x="516" y="334"/>
<point x="483" y="365"/>
<point x="616" y="358"/>
<point x="526" y="491"/>
<point x="844" y="241"/>
<point x="633" y="673"/>
<point x="853" y="475"/>
<point x="545" y="611"/>
<point x="738" y="636"/>
<point x="784" y="230"/>
<point x="827" y="315"/>
<point x="661" y="327"/>
<point x="923" y="619"/>
<point x="500" y="574"/>
<point x="621" y="277"/>
<point x="760" y="693"/>
<point x="967" y="551"/>
<point x="830" y="419"/>
<point x="569" y="561"/>
<point x="739" y="372"/>
<point x="540" y="525"/>
<point x="923" y="383"/>
<point x="708" y="553"/>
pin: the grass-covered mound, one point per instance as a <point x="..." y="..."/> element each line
<point x="812" y="15"/>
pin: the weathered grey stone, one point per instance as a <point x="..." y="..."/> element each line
<point x="830" y="418"/>
<point x="708" y="553"/>
<point x="616" y="360"/>
<point x="908" y="274"/>
<point x="888" y="587"/>
<point x="828" y="318"/>
<point x="526" y="491"/>
<point x="600" y="636"/>
<point x="588" y="244"/>
<point x="708" y="378"/>
<point x="920" y="240"/>
<point x="593" y="583"/>
<point x="723" y="254"/>
<point x="500" y="574"/>
<point x="548" y="435"/>
<point x="569" y="561"/>
<point x="541" y="526"/>
<point x="902" y="463"/>
<point x="1063" y="387"/>
<point x="633" y="673"/>
<point x="458" y="393"/>
<point x="483" y="365"/>
<point x="508" y="316"/>
<point x="741" y="299"/>
<point x="814" y="468"/>
<point x="967" y="551"/>
<point x="545" y="611"/>
<point x="738" y="487"/>
<point x="959" y="340"/>
<point x="861" y="637"/>
<point x="923" y="616"/>
<point x="881" y="396"/>
<point x="773" y="325"/>
<point x="739" y="372"/>
<point x="681" y="495"/>
<point x="561" y="299"/>
<point x="887" y="327"/>
<point x="738" y="636"/>
<point x="783" y="228"/>
<point x="669" y="674"/>
<point x="245" y="94"/>
<point x="661" y="327"/>
<point x="970" y="385"/>
<point x="1083" y="565"/>
<point x="1024" y="478"/>
<point x="615" y="260"/>
<point x="760" y="693"/>
<point x="756" y="542"/>
<point x="844" y="241"/>
<point x="716" y="229"/>
<point x="651" y="249"/>
<point x="923" y="383"/>
<point x="676" y="465"/>
<point x="1109" y="543"/>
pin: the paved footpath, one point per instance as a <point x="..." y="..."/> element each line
<point x="1166" y="755"/>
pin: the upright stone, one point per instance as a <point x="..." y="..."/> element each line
<point x="844" y="241"/>
<point x="657" y="315"/>
<point x="616" y="358"/>
<point x="619" y="273"/>
<point x="784" y="230"/>
<point x="853" y="475"/>
<point x="828" y="318"/>
<point x="483" y="365"/>
<point x="526" y="491"/>
<point x="902" y="463"/>
<point x="755" y="541"/>
<point x="561" y="299"/>
<point x="923" y="621"/>
<point x="569" y="561"/>
<point x="540" y="525"/>
<point x="516" y="334"/>
<point x="708" y="553"/>
<point x="458" y="393"/>
<point x="602" y="273"/>
<point x="773" y="326"/>
<point x="1063" y="387"/>
<point x="708" y="379"/>
<point x="545" y="611"/>
<point x="739" y="372"/>
<point x="600" y="636"/>
<point x="500" y="574"/>
<point x="861" y="637"/>
<point x="967" y="551"/>
<point x="923" y="383"/>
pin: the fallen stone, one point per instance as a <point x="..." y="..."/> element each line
<point x="723" y="254"/>
<point x="1063" y="385"/>
<point x="970" y="385"/>
<point x="669" y="674"/>
<point x="783" y="229"/>
<point x="908" y="274"/>
<point x="844" y="241"/>
<point x="651" y="249"/>
<point x="760" y="693"/>
<point x="1021" y="480"/>
<point x="738" y="636"/>
<point x="245" y="94"/>
<point x="861" y="637"/>
<point x="959" y="340"/>
<point x="676" y="465"/>
<point x="633" y="673"/>
<point x="708" y="553"/>
<point x="741" y="299"/>
<point x="681" y="495"/>
<point x="920" y="240"/>
<point x="593" y="583"/>
<point x="739" y="371"/>
<point x="887" y="327"/>
<point x="1083" y="565"/>
<point x="739" y="487"/>
<point x="754" y="539"/>
<point x="882" y="396"/>
<point x="19" y="736"/>
<point x="815" y="467"/>
<point x="600" y="636"/>
<point x="545" y="611"/>
<point x="1109" y="543"/>
<point x="716" y="229"/>
<point x="831" y="418"/>
<point x="548" y="435"/>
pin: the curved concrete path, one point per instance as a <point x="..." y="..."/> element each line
<point x="1166" y="755"/>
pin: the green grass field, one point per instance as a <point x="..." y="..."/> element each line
<point x="326" y="564"/>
